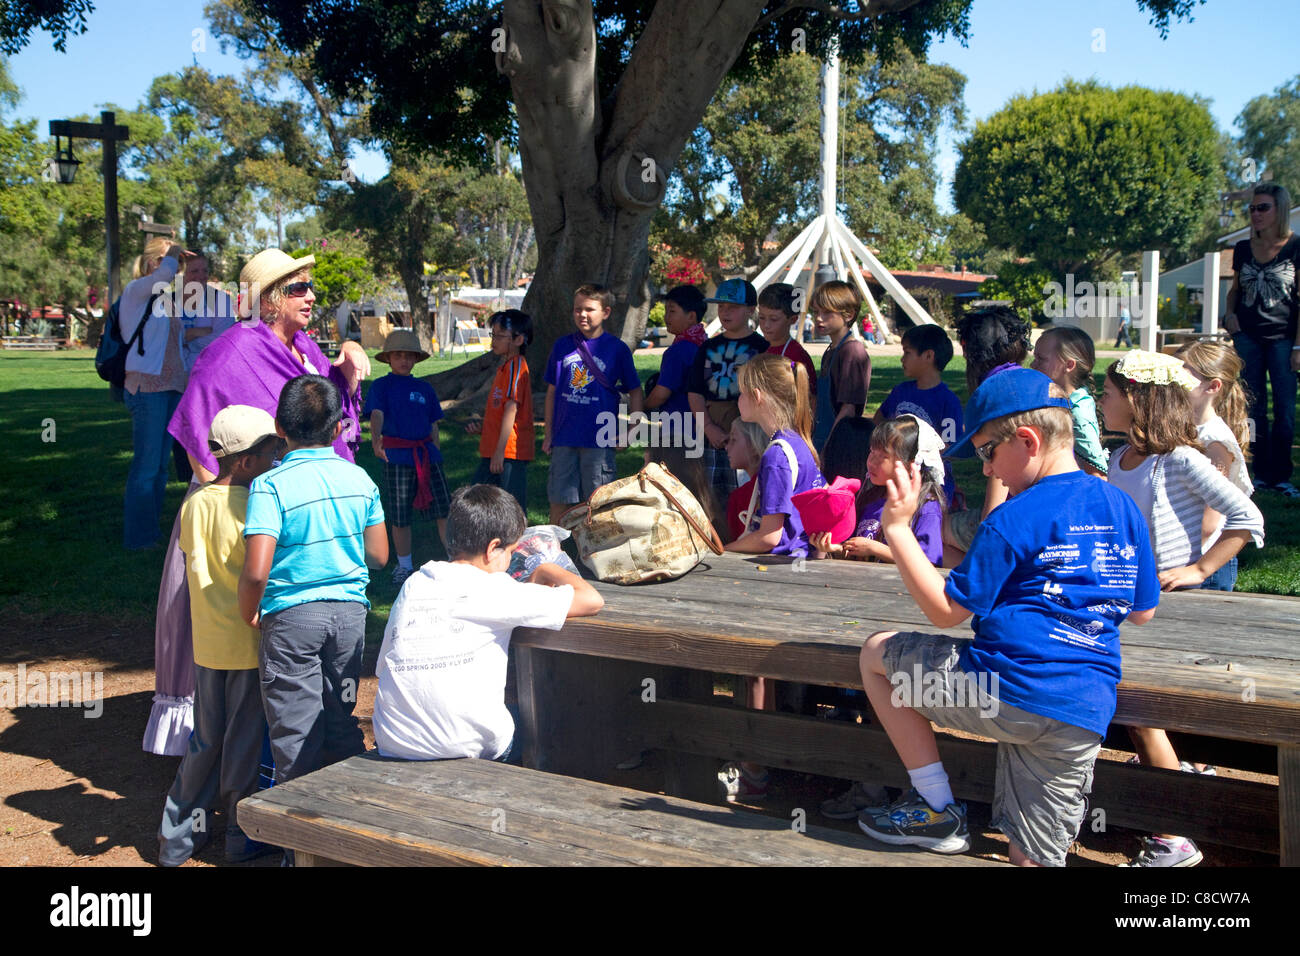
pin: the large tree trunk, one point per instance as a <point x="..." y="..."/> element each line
<point x="593" y="181"/>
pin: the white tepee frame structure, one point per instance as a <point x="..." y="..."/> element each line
<point x="828" y="235"/>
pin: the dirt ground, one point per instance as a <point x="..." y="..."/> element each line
<point x="77" y="791"/>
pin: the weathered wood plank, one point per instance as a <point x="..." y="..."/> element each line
<point x="374" y="812"/>
<point x="1160" y="689"/>
<point x="781" y="610"/>
<point x="1288" y="778"/>
<point x="1132" y="796"/>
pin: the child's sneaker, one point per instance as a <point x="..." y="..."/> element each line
<point x="1186" y="766"/>
<point x="853" y="801"/>
<point x="400" y="574"/>
<point x="1159" y="852"/>
<point x="739" y="784"/>
<point x="910" y="820"/>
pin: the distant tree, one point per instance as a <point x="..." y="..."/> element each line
<point x="1270" y="135"/>
<point x="749" y="178"/>
<point x="1082" y="175"/>
<point x="894" y="109"/>
<point x="1021" y="284"/>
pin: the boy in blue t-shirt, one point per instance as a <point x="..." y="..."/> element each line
<point x="585" y="376"/>
<point x="684" y="308"/>
<point x="927" y="350"/>
<point x="313" y="525"/>
<point x="404" y="413"/>
<point x="1049" y="577"/>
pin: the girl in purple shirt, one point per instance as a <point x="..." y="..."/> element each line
<point x="774" y="395"/>
<point x="905" y="439"/>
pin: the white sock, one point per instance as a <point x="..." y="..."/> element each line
<point x="931" y="782"/>
<point x="404" y="561"/>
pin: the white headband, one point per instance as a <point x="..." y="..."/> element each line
<point x="929" y="447"/>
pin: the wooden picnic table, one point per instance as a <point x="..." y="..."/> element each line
<point x="640" y="673"/>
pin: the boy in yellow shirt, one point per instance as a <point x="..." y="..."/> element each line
<point x="229" y="723"/>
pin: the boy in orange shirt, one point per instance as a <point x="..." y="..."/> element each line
<point x="507" y="429"/>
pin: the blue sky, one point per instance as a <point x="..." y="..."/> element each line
<point x="1233" y="51"/>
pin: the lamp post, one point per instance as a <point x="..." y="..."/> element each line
<point x="107" y="131"/>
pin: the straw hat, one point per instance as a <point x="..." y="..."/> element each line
<point x="401" y="340"/>
<point x="263" y="271"/>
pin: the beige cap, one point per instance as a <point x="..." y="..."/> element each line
<point x="238" y="428"/>
<point x="401" y="340"/>
<point x="263" y="271"/>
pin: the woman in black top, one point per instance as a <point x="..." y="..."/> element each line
<point x="1263" y="304"/>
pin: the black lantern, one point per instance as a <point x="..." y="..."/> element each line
<point x="63" y="167"/>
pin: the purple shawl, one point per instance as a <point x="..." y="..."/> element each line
<point x="249" y="365"/>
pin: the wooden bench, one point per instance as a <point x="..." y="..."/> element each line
<point x="640" y="674"/>
<point x="368" y="811"/>
<point x="33" y="343"/>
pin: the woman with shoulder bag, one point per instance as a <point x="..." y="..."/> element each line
<point x="155" y="379"/>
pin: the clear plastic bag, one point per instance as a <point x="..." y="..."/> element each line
<point x="540" y="544"/>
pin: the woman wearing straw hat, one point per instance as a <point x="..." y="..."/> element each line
<point x="249" y="364"/>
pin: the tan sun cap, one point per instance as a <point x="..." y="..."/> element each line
<point x="237" y="428"/>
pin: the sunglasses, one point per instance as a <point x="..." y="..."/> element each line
<point x="1260" y="207"/>
<point x="986" y="450"/>
<point x="296" y="289"/>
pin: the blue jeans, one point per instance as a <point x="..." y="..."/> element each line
<point x="1224" y="579"/>
<point x="147" y="479"/>
<point x="513" y="478"/>
<point x="1271" y="449"/>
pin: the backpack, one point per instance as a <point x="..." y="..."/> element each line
<point x="110" y="356"/>
<point x="648" y="527"/>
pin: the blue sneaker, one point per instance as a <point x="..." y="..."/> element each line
<point x="911" y="821"/>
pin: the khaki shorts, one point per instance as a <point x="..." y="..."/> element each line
<point x="962" y="526"/>
<point x="1044" y="768"/>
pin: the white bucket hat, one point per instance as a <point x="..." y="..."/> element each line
<point x="263" y="271"/>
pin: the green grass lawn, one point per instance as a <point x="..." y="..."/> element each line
<point x="61" y="521"/>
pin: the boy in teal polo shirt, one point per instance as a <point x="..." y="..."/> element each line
<point x="313" y="526"/>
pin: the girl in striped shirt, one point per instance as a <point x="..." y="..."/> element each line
<point x="1147" y="396"/>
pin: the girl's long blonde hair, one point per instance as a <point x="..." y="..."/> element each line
<point x="1232" y="404"/>
<point x="784" y="385"/>
<point x="1072" y="342"/>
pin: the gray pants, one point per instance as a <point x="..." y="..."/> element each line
<point x="310" y="663"/>
<point x="224" y="753"/>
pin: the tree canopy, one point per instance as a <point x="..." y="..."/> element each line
<point x="1270" y="134"/>
<point x="1084" y="174"/>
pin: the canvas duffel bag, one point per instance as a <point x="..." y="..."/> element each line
<point x="645" y="528"/>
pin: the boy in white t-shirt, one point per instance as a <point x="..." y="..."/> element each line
<point x="442" y="666"/>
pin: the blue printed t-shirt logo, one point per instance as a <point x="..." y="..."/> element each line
<point x="417" y="397"/>
<point x="724" y="362"/>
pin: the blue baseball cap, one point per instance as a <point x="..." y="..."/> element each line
<point x="735" y="292"/>
<point x="1004" y="393"/>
